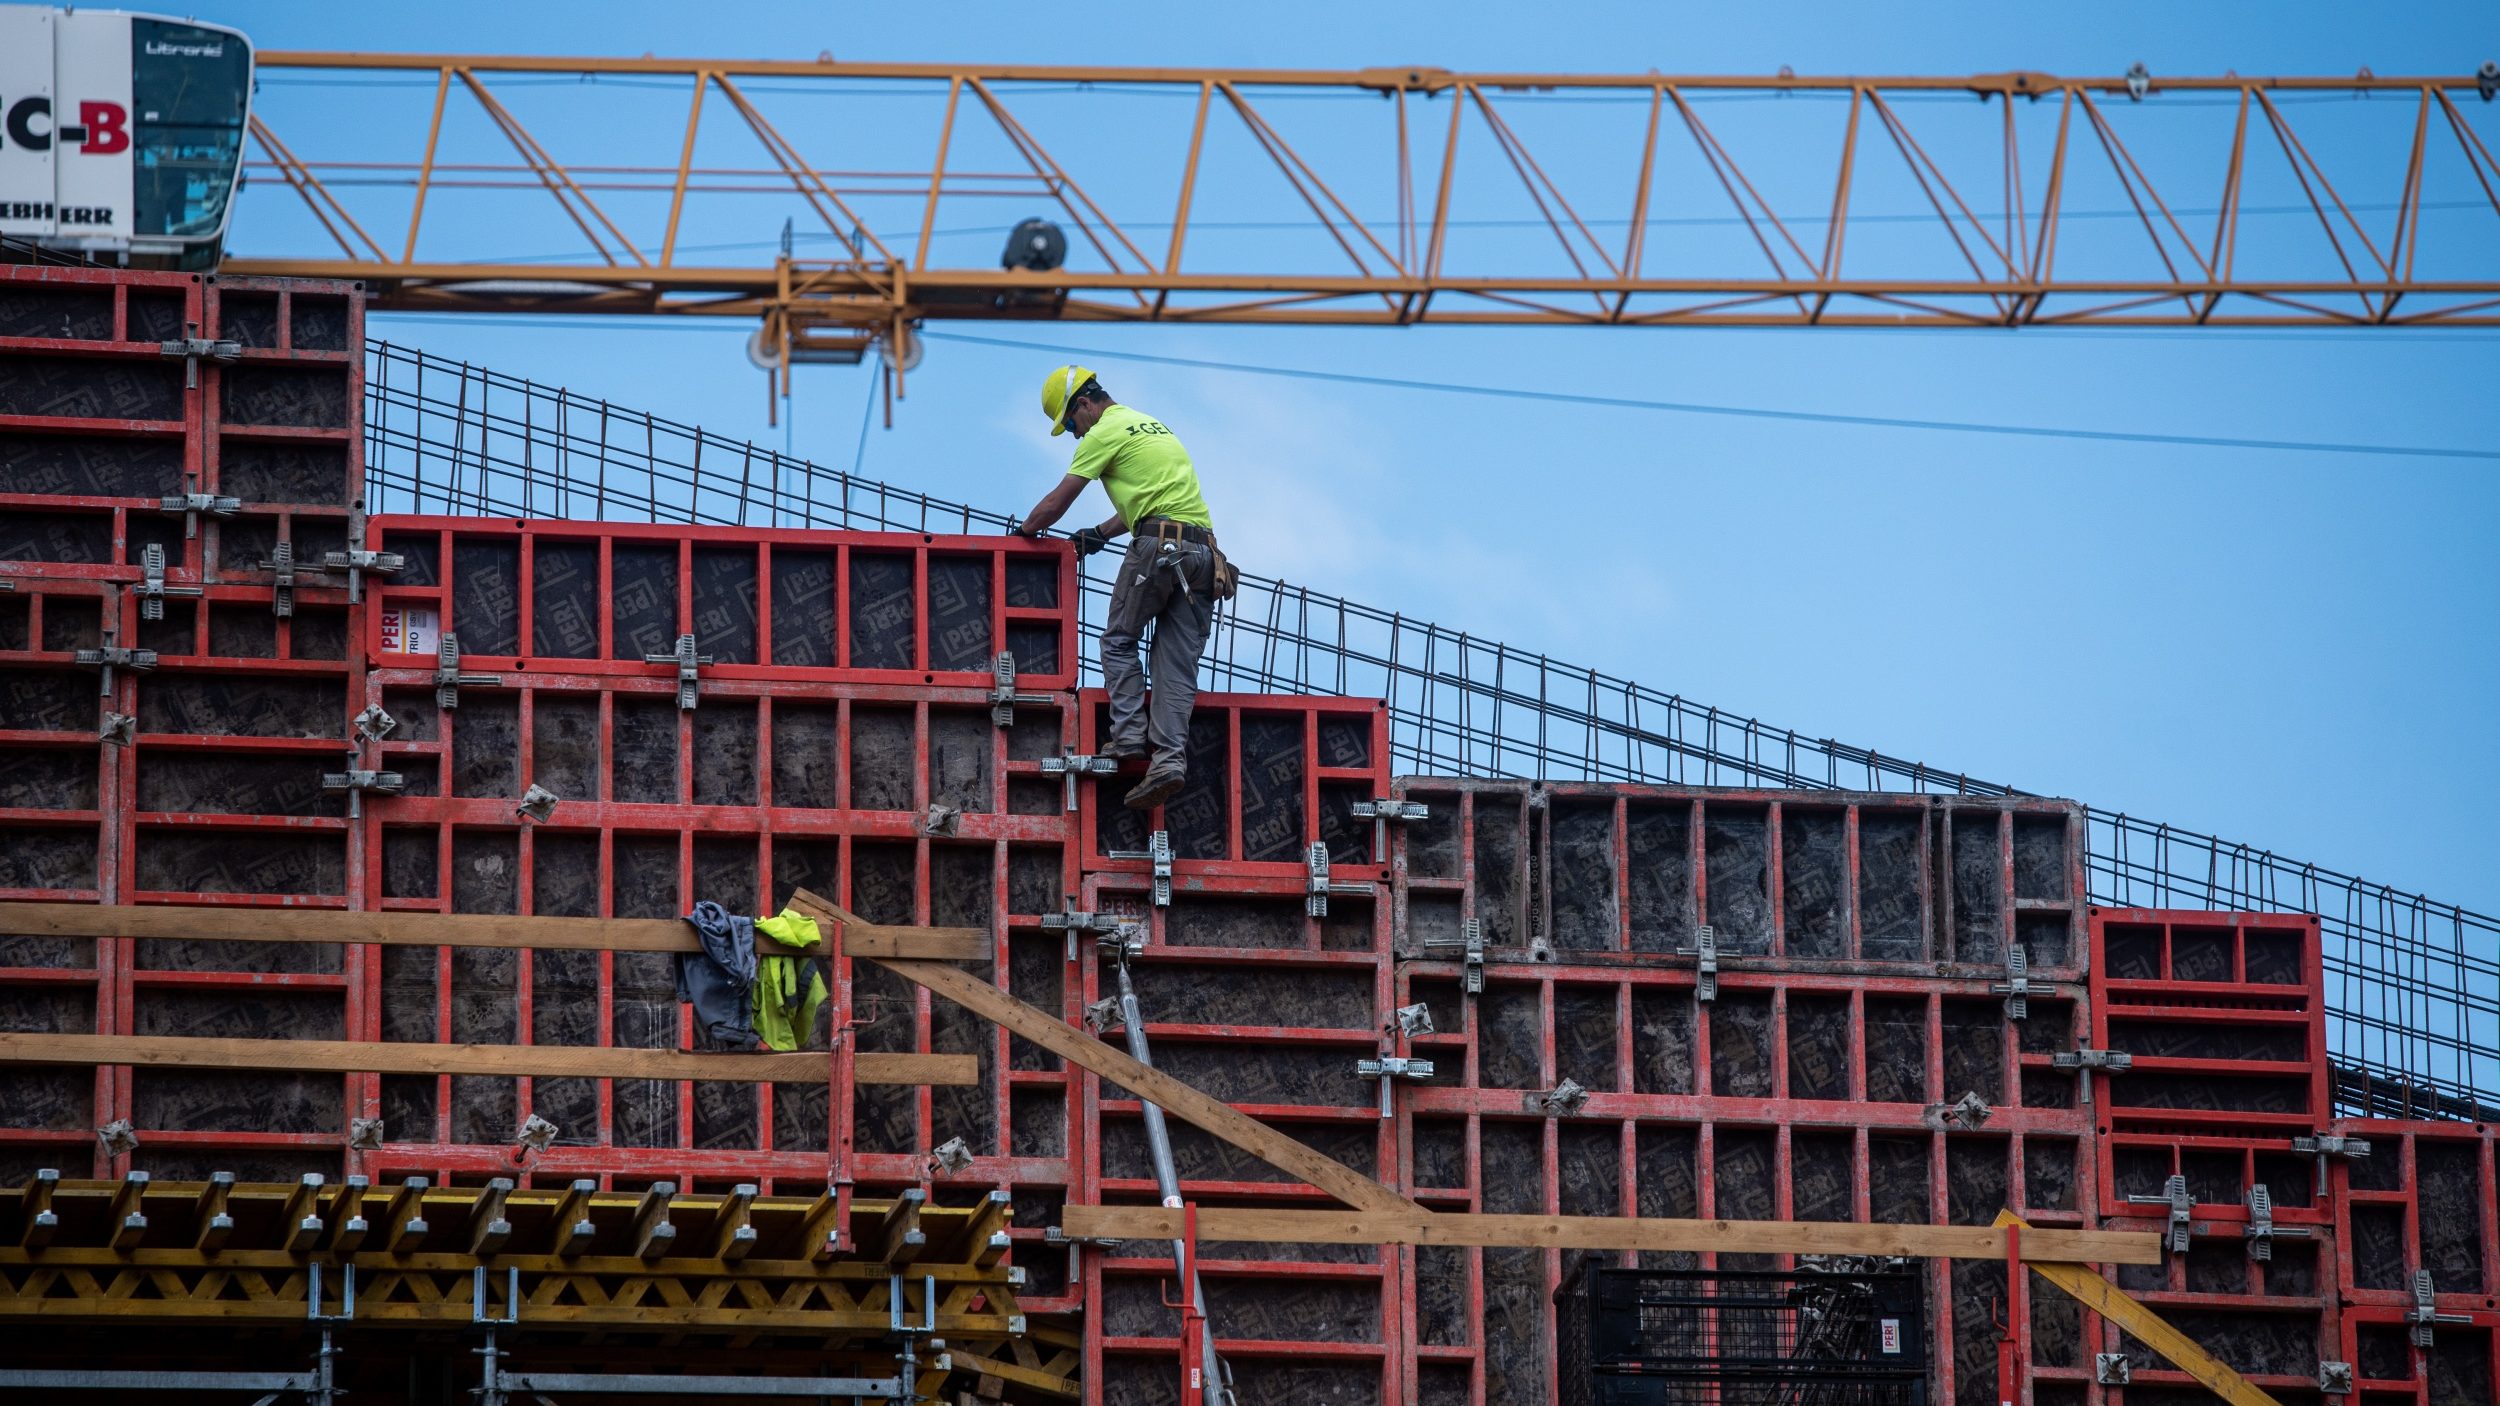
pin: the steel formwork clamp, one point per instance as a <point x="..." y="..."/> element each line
<point x="1003" y="695"/>
<point x="2016" y="988"/>
<point x="356" y="561"/>
<point x="1319" y="886"/>
<point x="152" y="589"/>
<point x="1705" y="955"/>
<point x="1073" y="921"/>
<point x="1469" y="944"/>
<point x="2182" y="1207"/>
<point x="1072" y="765"/>
<point x="682" y="655"/>
<point x="282" y="589"/>
<point x="1157" y="853"/>
<point x="357" y="782"/>
<point x="2425" y="1315"/>
<point x="447" y="675"/>
<point x="194" y="350"/>
<point x="2261" y="1231"/>
<point x="191" y="505"/>
<point x="1381" y="811"/>
<point x="1391" y="1067"/>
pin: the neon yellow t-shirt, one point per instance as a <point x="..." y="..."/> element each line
<point x="1143" y="467"/>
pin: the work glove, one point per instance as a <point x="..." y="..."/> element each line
<point x="1090" y="540"/>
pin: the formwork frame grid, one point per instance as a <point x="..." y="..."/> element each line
<point x="2414" y="982"/>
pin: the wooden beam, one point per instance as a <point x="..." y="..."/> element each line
<point x="1176" y="1098"/>
<point x="539" y="1061"/>
<point x="2088" y="1288"/>
<point x="201" y="924"/>
<point x="1274" y="1227"/>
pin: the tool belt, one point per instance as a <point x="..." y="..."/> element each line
<point x="1227" y="580"/>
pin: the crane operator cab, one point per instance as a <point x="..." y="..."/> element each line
<point x="121" y="136"/>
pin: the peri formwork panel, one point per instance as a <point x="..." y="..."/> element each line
<point x="1585" y="872"/>
<point x="1270" y="777"/>
<point x="910" y="805"/>
<point x="1249" y="994"/>
<point x="909" y="609"/>
<point x="119" y="392"/>
<point x="2222" y="1018"/>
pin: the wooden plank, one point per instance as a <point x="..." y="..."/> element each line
<point x="1272" y="1227"/>
<point x="2088" y="1288"/>
<point x="202" y="924"/>
<point x="1170" y="1094"/>
<point x="537" y="1061"/>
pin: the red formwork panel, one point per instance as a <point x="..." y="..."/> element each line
<point x="103" y="418"/>
<point x="909" y="805"/>
<point x="2424" y="1201"/>
<point x="1269" y="776"/>
<point x="196" y="779"/>
<point x="2222" y="1016"/>
<point x="1250" y="996"/>
<point x="907" y="609"/>
<point x="1861" y="941"/>
<point x="57" y="843"/>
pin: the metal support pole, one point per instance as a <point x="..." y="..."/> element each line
<point x="1167" y="1178"/>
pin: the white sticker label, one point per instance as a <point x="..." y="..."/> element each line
<point x="411" y="629"/>
<point x="1892" y="1336"/>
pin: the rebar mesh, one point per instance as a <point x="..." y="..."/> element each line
<point x="2413" y="984"/>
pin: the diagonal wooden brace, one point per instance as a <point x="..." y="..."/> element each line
<point x="2147" y="1327"/>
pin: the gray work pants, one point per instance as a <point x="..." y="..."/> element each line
<point x="1171" y="586"/>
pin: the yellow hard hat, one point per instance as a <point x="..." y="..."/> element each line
<point x="1058" y="389"/>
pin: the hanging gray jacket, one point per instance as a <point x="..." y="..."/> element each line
<point x="719" y="981"/>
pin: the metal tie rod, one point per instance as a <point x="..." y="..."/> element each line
<point x="100" y="1379"/>
<point x="1159" y="1143"/>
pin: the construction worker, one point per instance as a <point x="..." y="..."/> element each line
<point x="1171" y="577"/>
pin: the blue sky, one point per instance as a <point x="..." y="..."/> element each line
<point x="2292" y="649"/>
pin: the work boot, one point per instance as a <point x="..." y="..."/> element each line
<point x="1121" y="750"/>
<point x="1160" y="785"/>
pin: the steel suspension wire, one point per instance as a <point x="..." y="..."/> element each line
<point x="2414" y="983"/>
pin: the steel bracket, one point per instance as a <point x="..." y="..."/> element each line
<point x="1560" y="1101"/>
<point x="1075" y="764"/>
<point x="2108" y="1061"/>
<point x="374" y="724"/>
<point x="447" y="675"/>
<point x="537" y="803"/>
<point x="1003" y="695"/>
<point x="952" y="1157"/>
<point x="2335" y="1378"/>
<point x="1103" y="1016"/>
<point x="119" y="729"/>
<point x="1470" y="945"/>
<point x="2182" y="1207"/>
<point x="1389" y="1068"/>
<point x="1319" y="886"/>
<point x="2424" y="1314"/>
<point x="1967" y="1112"/>
<point x="1414" y="1020"/>
<point x="191" y="505"/>
<point x="687" y="661"/>
<point x="941" y="819"/>
<point x="2016" y="988"/>
<point x="152" y="589"/>
<point x="2111" y="1369"/>
<point x="1385" y="809"/>
<point x="1705" y="955"/>
<point x="1158" y="852"/>
<point x="1121" y="942"/>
